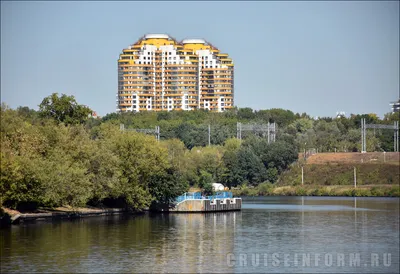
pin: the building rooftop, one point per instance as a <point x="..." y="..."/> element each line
<point x="156" y="36"/>
<point x="193" y="41"/>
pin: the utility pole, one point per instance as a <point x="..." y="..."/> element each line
<point x="158" y="133"/>
<point x="396" y="137"/>
<point x="363" y="136"/>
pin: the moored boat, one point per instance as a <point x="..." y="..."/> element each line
<point x="195" y="202"/>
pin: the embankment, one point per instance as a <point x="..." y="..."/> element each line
<point x="332" y="174"/>
<point x="10" y="217"/>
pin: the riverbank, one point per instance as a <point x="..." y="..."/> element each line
<point x="332" y="174"/>
<point x="266" y="189"/>
<point x="10" y="216"/>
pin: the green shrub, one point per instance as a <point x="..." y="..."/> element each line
<point x="301" y="191"/>
<point x="377" y="192"/>
<point x="394" y="191"/>
<point x="362" y="192"/>
<point x="265" y="188"/>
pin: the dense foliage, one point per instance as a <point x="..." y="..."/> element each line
<point x="59" y="156"/>
<point x="325" y="134"/>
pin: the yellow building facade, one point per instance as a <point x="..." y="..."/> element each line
<point x="158" y="73"/>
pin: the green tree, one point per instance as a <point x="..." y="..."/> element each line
<point x="64" y="109"/>
<point x="251" y="167"/>
<point x="231" y="175"/>
<point x="205" y="182"/>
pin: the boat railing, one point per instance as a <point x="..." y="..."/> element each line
<point x="198" y="196"/>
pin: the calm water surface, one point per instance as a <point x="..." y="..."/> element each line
<point x="270" y="234"/>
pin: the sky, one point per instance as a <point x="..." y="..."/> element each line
<point x="318" y="57"/>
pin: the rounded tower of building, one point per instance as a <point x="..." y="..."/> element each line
<point x="158" y="73"/>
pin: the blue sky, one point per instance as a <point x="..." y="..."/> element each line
<point x="316" y="57"/>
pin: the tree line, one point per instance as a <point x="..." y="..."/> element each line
<point x="326" y="134"/>
<point x="60" y="156"/>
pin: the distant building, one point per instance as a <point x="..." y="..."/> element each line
<point x="159" y="73"/>
<point x="340" y="114"/>
<point x="94" y="115"/>
<point x="395" y="106"/>
<point x="218" y="187"/>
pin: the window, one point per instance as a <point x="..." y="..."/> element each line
<point x="148" y="53"/>
<point x="170" y="53"/>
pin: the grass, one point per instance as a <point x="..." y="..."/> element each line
<point x="341" y="174"/>
<point x="310" y="190"/>
<point x="332" y="179"/>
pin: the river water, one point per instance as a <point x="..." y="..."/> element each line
<point x="270" y="234"/>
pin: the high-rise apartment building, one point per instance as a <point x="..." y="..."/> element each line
<point x="158" y="73"/>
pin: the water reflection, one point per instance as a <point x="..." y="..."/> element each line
<point x="201" y="242"/>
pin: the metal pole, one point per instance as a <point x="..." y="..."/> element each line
<point x="355" y="178"/>
<point x="394" y="138"/>
<point x="302" y="175"/>
<point x="397" y="136"/>
<point x="365" y="135"/>
<point x="362" y="136"/>
<point x="273" y="132"/>
<point x="363" y="149"/>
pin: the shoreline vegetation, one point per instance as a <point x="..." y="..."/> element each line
<point x="62" y="157"/>
<point x="9" y="216"/>
<point x="318" y="190"/>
